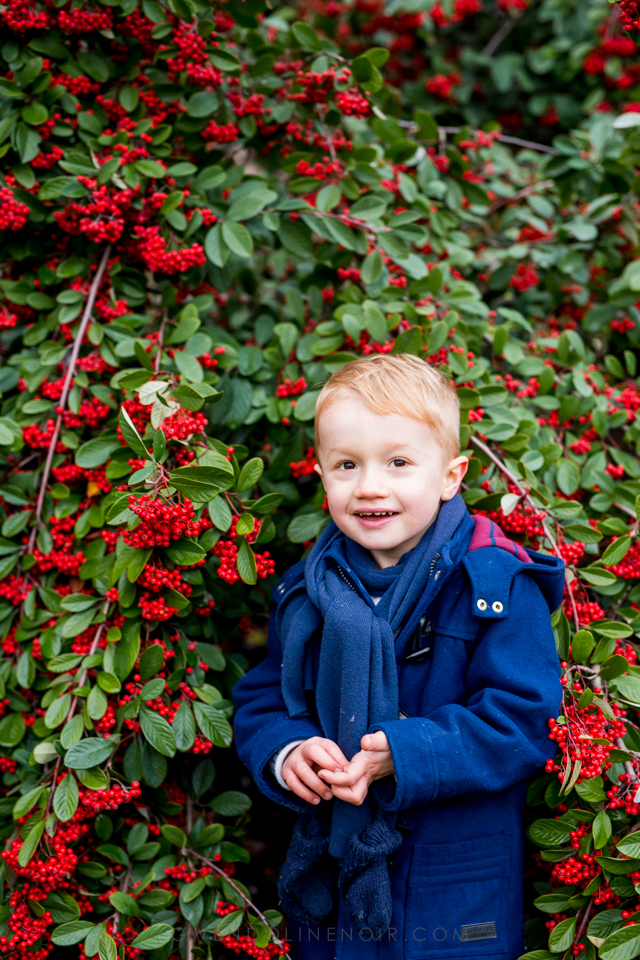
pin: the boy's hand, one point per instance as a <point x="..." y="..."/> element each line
<point x="300" y="768"/>
<point x="373" y="762"/>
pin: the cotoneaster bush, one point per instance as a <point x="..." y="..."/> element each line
<point x="204" y="211"/>
<point x="538" y="68"/>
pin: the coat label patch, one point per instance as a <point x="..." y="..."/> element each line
<point x="478" y="931"/>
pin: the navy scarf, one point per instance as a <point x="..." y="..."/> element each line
<point x="357" y="686"/>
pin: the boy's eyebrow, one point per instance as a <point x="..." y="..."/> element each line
<point x="336" y="451"/>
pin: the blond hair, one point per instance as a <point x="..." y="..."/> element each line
<point x="401" y="384"/>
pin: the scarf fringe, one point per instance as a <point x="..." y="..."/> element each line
<point x="364" y="881"/>
<point x="305" y="884"/>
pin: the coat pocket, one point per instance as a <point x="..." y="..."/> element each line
<point x="456" y="900"/>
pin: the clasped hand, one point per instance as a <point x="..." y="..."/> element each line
<point x="318" y="768"/>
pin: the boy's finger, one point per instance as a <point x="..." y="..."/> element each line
<point x="304" y="773"/>
<point x="355" y="794"/>
<point x="297" y="786"/>
<point x="320" y="755"/>
<point x="354" y="772"/>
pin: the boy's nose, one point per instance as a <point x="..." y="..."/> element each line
<point x="371" y="487"/>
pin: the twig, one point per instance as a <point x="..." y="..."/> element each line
<point x="542" y="147"/>
<point x="584" y="921"/>
<point x="524" y="493"/>
<point x="528" y="143"/>
<point x="231" y="883"/>
<point x="71" y="369"/>
<point x="525" y="192"/>
<point x="328" y="137"/>
<point x="499" y="36"/>
<point x="165" y="317"/>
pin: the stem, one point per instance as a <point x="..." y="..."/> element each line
<point x="222" y="874"/>
<point x="71" y="369"/>
<point x="584" y="921"/>
<point x="525" y="192"/>
<point x="542" y="147"/>
<point x="498" y="37"/>
<point x="547" y="531"/>
<point x="156" y="366"/>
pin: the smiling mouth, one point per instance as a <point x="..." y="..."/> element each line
<point x="377" y="513"/>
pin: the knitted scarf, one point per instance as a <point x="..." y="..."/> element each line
<point x="357" y="686"/>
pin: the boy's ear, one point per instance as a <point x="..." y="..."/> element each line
<point x="455" y="475"/>
<point x="318" y="470"/>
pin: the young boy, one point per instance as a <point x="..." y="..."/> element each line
<point x="404" y="700"/>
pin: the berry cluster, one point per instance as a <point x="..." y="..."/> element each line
<point x="161" y="521"/>
<point x="591" y="724"/>
<point x="152" y="249"/>
<point x="13" y="214"/>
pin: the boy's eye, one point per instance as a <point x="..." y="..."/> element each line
<point x="347" y="464"/>
<point x="398" y="462"/>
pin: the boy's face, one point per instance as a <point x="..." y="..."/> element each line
<point x="385" y="476"/>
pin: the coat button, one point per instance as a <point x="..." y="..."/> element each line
<point x="481" y="604"/>
<point x="497" y="607"/>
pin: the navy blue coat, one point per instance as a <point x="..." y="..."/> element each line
<point x="477" y="707"/>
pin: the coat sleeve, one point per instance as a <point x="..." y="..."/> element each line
<point x="501" y="736"/>
<point x="262" y="725"/>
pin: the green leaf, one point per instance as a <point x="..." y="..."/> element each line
<point x="30" y="844"/>
<point x="26" y="802"/>
<point x="184" y="727"/>
<point x="562" y="935"/>
<point x="622" y="945"/>
<point x="107" y="949"/>
<point x="549" y="832"/>
<point x="200" y="484"/>
<point x="305" y="36"/>
<point x="250" y="473"/>
<point x="158" y="732"/>
<point x="616" y="551"/>
<point x="582" y="646"/>
<point x="375" y="321"/>
<point x="153" y="937"/>
<point x="95" y="452"/>
<point x="237" y="238"/>
<point x="231" y="803"/>
<point x="12" y="730"/>
<point x="90" y="752"/>
<point x="65" y="798"/>
<point x="602" y="831"/>
<point x="124" y="903"/>
<point x="629" y="845"/>
<point x="250" y="205"/>
<point x="372" y="267"/>
<point x="184" y="552"/>
<point x="246" y="563"/>
<point x="69" y="934"/>
<point x="213" y="724"/>
<point x="174" y="835"/>
<point x="229" y="923"/>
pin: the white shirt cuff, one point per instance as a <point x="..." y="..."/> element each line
<point x="277" y="760"/>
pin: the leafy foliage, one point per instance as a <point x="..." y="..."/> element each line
<point x="204" y="212"/>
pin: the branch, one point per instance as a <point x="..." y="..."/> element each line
<point x="71" y="369"/>
<point x="156" y="366"/>
<point x="524" y="493"/>
<point x="525" y="192"/>
<point x="499" y="36"/>
<point x="224" y="876"/>
<point x="531" y="144"/>
<point x="584" y="921"/>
